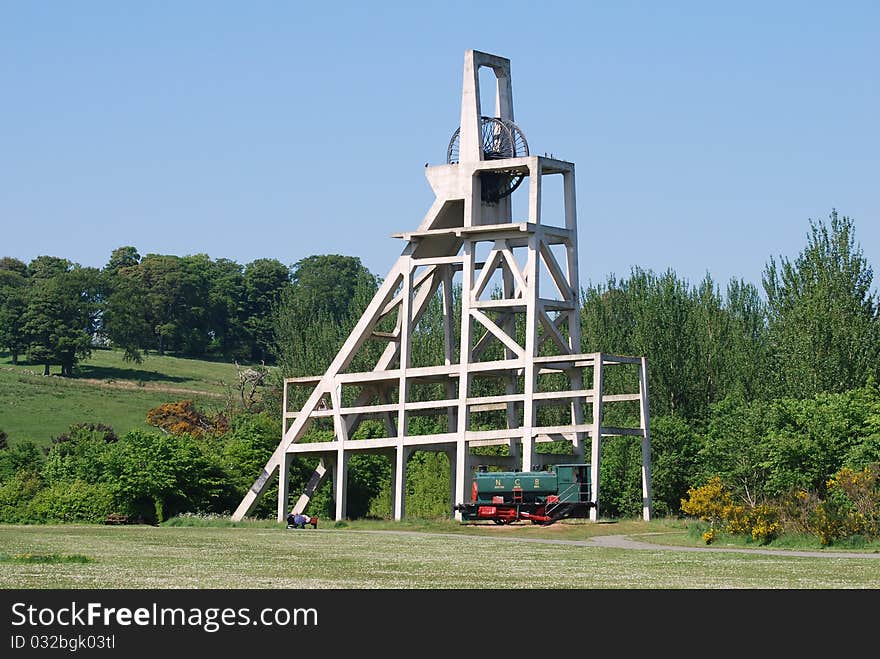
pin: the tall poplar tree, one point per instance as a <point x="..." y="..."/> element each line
<point x="823" y="314"/>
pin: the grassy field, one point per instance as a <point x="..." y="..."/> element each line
<point x="106" y="390"/>
<point x="399" y="556"/>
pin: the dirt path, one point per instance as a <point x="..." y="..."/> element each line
<point x="627" y="542"/>
<point x="128" y="384"/>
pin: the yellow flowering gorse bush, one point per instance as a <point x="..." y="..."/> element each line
<point x="713" y="503"/>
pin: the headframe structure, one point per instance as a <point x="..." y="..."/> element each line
<point x="511" y="349"/>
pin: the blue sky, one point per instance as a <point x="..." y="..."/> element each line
<point x="705" y="135"/>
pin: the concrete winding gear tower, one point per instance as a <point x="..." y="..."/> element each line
<point x="512" y="373"/>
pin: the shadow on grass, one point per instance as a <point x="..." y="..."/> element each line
<point x="115" y="373"/>
<point x="45" y="558"/>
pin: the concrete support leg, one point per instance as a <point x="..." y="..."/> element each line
<point x="595" y="458"/>
<point x="596" y="434"/>
<point x="528" y="450"/>
<point x="314" y="483"/>
<point x="283" y="486"/>
<point x="646" y="477"/>
<point x="577" y="418"/>
<point x="340" y="483"/>
<point x="646" y="439"/>
<point x="461" y="474"/>
<point x="398" y="477"/>
<point x="514" y="450"/>
<point x="392" y="461"/>
<point x="452" y="482"/>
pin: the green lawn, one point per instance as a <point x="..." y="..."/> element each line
<point x="105" y="389"/>
<point x="266" y="555"/>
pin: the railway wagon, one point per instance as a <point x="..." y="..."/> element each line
<point x="541" y="497"/>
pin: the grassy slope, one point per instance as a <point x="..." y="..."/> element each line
<point x="106" y="390"/>
<point x="249" y="556"/>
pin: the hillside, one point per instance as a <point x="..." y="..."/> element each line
<point x="105" y="389"/>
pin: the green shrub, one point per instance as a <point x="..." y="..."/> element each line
<point x="79" y="454"/>
<point x="427" y="485"/>
<point x="24" y="456"/>
<point x="156" y="476"/>
<point x="72" y="502"/>
<point x="16" y="493"/>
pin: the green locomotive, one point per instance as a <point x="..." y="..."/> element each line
<point x="542" y="497"/>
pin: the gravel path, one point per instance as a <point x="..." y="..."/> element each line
<point x="627" y="542"/>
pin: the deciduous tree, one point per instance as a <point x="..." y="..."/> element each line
<point x="823" y="314"/>
<point x="62" y="313"/>
<point x="264" y="283"/>
<point x="14" y="284"/>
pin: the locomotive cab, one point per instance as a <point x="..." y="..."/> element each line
<point x="574" y="482"/>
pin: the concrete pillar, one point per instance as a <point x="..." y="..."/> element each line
<point x="314" y="483"/>
<point x="574" y="316"/>
<point x="283" y="486"/>
<point x="398" y="479"/>
<point x="465" y="354"/>
<point x="340" y="483"/>
<point x="461" y="474"/>
<point x="449" y="350"/>
<point x="596" y="452"/>
<point x="645" y="416"/>
<point x="469" y="130"/>
<point x="530" y="371"/>
<point x="452" y="482"/>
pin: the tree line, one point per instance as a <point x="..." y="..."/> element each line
<point x="54" y="311"/>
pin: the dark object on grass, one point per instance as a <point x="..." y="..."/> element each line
<point x="299" y="521"/>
